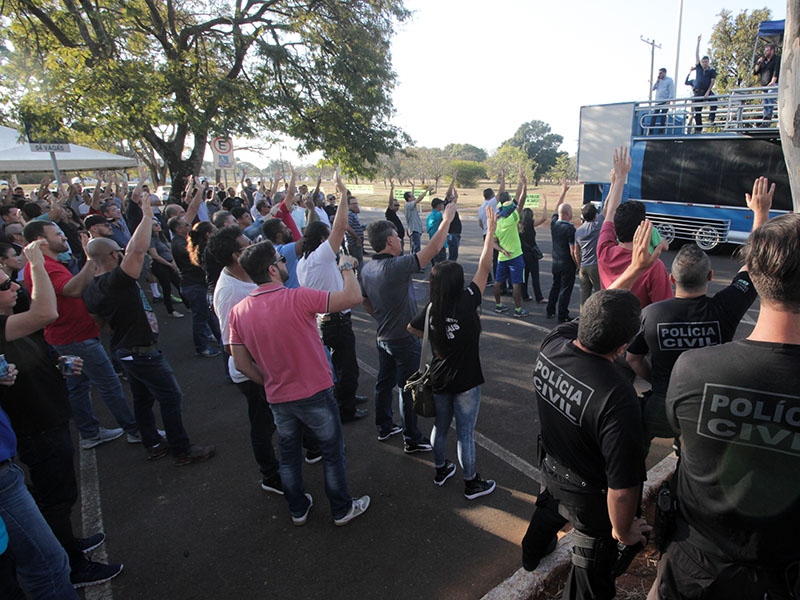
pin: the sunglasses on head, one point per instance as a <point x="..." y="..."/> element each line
<point x="6" y="285"/>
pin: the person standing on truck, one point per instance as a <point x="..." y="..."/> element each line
<point x="768" y="68"/>
<point x="664" y="88"/>
<point x="702" y="84"/>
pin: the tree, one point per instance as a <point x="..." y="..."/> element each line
<point x="469" y="172"/>
<point x="539" y="143"/>
<point x="465" y="152"/>
<point x="429" y="163"/>
<point x="509" y="158"/>
<point x="566" y="167"/>
<point x="789" y="99"/>
<point x="173" y="73"/>
<point x="731" y="51"/>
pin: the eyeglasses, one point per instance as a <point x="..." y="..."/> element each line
<point x="281" y="259"/>
<point x="6" y="285"/>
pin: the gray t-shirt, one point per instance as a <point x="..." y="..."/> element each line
<point x="386" y="282"/>
<point x="412" y="217"/>
<point x="586" y="237"/>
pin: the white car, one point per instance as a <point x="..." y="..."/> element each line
<point x="163" y="192"/>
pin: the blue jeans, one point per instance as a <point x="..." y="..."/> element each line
<point x="416" y="241"/>
<point x="203" y="319"/>
<point x="97" y="370"/>
<point x="769" y="107"/>
<point x="465" y="407"/>
<point x="453" y="242"/>
<point x="151" y="378"/>
<point x="397" y="361"/>
<point x="41" y="562"/>
<point x="320" y="414"/>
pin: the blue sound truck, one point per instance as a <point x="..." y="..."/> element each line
<point x="692" y="178"/>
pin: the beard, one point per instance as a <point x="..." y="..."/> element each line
<point x="284" y="275"/>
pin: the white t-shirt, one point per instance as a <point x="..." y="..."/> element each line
<point x="227" y="294"/>
<point x="319" y="271"/>
<point x="482" y="211"/>
<point x="323" y="216"/>
<point x="299" y="216"/>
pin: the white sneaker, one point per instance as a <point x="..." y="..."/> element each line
<point x="103" y="435"/>
<point x="175" y="314"/>
<point x="358" y="508"/>
<point x="136" y="438"/>
<point x="301" y="520"/>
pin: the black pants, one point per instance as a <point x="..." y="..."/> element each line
<point x="659" y="119"/>
<point x="262" y="426"/>
<point x="697" y="109"/>
<point x="561" y="292"/>
<point x="531" y="275"/>
<point x="589" y="516"/>
<point x="49" y="458"/>
<point x="166" y="276"/>
<point x="337" y="334"/>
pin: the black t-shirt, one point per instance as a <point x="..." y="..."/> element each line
<point x="331" y="212"/>
<point x="671" y="327"/>
<point x="212" y="268"/>
<point x="118" y="299"/>
<point x="38" y="400"/>
<point x="563" y="235"/>
<point x="528" y="238"/>
<point x="191" y="274"/>
<point x="591" y="419"/>
<point x="737" y="407"/>
<point x="702" y="79"/>
<point x="456" y="367"/>
<point x="455" y="225"/>
<point x="391" y="216"/>
<point x="768" y="69"/>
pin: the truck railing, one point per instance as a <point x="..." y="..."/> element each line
<point x="746" y="110"/>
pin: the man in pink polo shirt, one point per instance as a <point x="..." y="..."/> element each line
<point x="621" y="221"/>
<point x="274" y="341"/>
<point x="76" y="333"/>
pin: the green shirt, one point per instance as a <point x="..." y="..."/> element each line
<point x="507" y="235"/>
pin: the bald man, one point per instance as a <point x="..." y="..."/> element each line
<point x="114" y="297"/>
<point x="564" y="252"/>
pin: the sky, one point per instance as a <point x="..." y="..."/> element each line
<point x="470" y="71"/>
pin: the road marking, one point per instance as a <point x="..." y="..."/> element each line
<point x="506" y="456"/>
<point x="92" y="518"/>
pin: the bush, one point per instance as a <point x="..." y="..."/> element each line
<point x="469" y="172"/>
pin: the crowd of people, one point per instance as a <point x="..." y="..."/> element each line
<point x="294" y="262"/>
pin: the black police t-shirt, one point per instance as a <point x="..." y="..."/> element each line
<point x="38" y="400"/>
<point x="191" y="274"/>
<point x="563" y="235"/>
<point x="671" y="327"/>
<point x="118" y="299"/>
<point x="737" y="407"/>
<point x="591" y="419"/>
<point x="391" y="216"/>
<point x="456" y="367"/>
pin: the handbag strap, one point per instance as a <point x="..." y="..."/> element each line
<point x="427" y="353"/>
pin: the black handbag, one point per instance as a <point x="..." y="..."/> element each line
<point x="419" y="384"/>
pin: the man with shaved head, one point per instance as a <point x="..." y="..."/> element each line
<point x="114" y="297"/>
<point x="563" y="233"/>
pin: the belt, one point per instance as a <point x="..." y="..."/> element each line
<point x="569" y="475"/>
<point x="139" y="349"/>
<point x="334" y="317"/>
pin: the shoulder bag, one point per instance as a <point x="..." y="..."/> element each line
<point x="419" y="384"/>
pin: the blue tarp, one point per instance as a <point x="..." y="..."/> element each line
<point x="771" y="28"/>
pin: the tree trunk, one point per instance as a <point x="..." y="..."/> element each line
<point x="789" y="98"/>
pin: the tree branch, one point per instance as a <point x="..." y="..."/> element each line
<point x="49" y="24"/>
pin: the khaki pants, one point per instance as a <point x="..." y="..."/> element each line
<point x="590" y="281"/>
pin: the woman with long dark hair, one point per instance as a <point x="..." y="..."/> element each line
<point x="531" y="252"/>
<point x="454" y="332"/>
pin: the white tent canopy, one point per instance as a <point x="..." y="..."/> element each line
<point x="16" y="157"/>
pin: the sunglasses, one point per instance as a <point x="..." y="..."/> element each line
<point x="6" y="285"/>
<point x="281" y="259"/>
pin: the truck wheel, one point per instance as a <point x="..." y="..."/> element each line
<point x="667" y="232"/>
<point x="707" y="238"/>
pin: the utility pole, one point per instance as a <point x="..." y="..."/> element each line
<point x="678" y="45"/>
<point x="653" y="46"/>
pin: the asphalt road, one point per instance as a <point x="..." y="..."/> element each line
<point x="209" y="531"/>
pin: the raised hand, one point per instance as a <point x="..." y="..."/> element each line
<point x="641" y="259"/>
<point x="33" y="252"/>
<point x="449" y="212"/>
<point x="622" y="163"/>
<point x="761" y="199"/>
<point x="564" y="186"/>
<point x="491" y="221"/>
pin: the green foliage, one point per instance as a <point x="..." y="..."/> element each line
<point x="509" y="158"/>
<point x="428" y="163"/>
<point x="465" y="152"/>
<point x="731" y="51"/>
<point x="469" y="172"/>
<point x="566" y="167"/>
<point x="173" y="74"/>
<point x="541" y="146"/>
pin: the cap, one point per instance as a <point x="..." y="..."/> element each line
<point x="94" y="220"/>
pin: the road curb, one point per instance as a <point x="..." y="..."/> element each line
<point x="523" y="585"/>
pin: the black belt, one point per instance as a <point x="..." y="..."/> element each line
<point x="139" y="349"/>
<point x="569" y="475"/>
<point x="334" y="317"/>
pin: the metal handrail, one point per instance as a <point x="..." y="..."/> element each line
<point x="740" y="111"/>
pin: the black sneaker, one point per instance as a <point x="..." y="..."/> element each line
<point x="93" y="573"/>
<point x="475" y="488"/>
<point x="529" y="563"/>
<point x="195" y="454"/>
<point x="160" y="450"/>
<point x="422" y="446"/>
<point x="272" y="484"/>
<point x="313" y="456"/>
<point x="359" y="414"/>
<point x="393" y="430"/>
<point x="444" y="473"/>
<point x="90" y="543"/>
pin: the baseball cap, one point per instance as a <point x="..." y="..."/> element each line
<point x="94" y="220"/>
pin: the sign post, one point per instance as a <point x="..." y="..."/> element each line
<point x="222" y="149"/>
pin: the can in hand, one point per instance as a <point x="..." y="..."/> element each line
<point x="3" y="366"/>
<point x="67" y="361"/>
